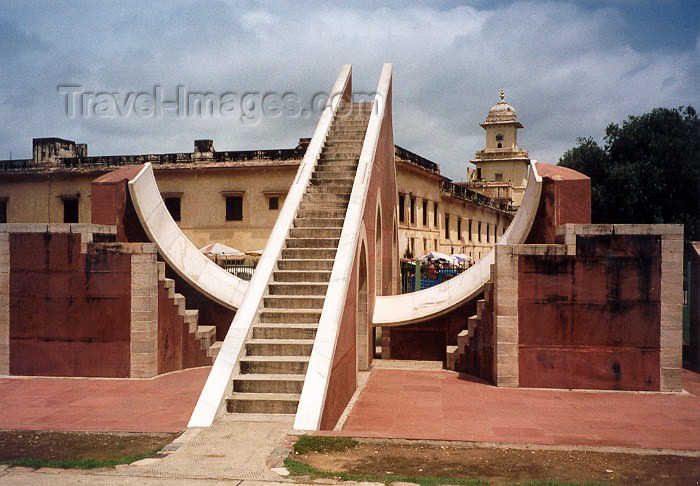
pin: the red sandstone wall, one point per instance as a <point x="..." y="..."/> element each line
<point x="566" y="198"/>
<point x="593" y="320"/>
<point x="111" y="204"/>
<point x="177" y="348"/>
<point x="382" y="191"/>
<point x="69" y="312"/>
<point x="694" y="303"/>
<point x="428" y="340"/>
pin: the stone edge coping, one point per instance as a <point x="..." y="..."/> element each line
<point x="58" y="228"/>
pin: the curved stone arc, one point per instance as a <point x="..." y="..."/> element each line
<point x="176" y="249"/>
<point x="399" y="310"/>
<point x="313" y="395"/>
<point x="212" y="400"/>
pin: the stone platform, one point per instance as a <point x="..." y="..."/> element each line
<point x="445" y="405"/>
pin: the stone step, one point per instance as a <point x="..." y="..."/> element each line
<point x="321" y="187"/>
<point x="480" y="305"/>
<point x="463" y="340"/>
<point x="344" y="175"/>
<point x="180" y="302"/>
<point x="309" y="253"/>
<point x="331" y="159"/>
<point x="279" y="347"/>
<point x="297" y="288"/>
<point x="324" y="166"/>
<point x="294" y="301"/>
<point x="277" y="403"/>
<point x="268" y="383"/>
<point x="341" y="153"/>
<point x="214" y="349"/>
<point x="315" y="232"/>
<point x="302" y="276"/>
<point x="305" y="265"/>
<point x="313" y="197"/>
<point x="350" y="122"/>
<point x="473" y="323"/>
<point x="206" y="336"/>
<point x="285" y="331"/>
<point x="307" y="204"/>
<point x="343" y="185"/>
<point x="296" y="365"/>
<point x="451" y="354"/>
<point x="192" y="319"/>
<point x="295" y="316"/>
<point x="322" y="213"/>
<point x="318" y="222"/>
<point x="344" y="140"/>
<point x="312" y="242"/>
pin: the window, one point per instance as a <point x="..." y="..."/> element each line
<point x="3" y="210"/>
<point x="402" y="211"/>
<point x="435" y="215"/>
<point x="478" y="228"/>
<point x="70" y="209"/>
<point x="459" y="228"/>
<point x="172" y="203"/>
<point x="478" y="173"/>
<point x="488" y="233"/>
<point x="273" y="202"/>
<point x="413" y="210"/>
<point x="447" y="226"/>
<point x="234" y="208"/>
<point x="436" y="245"/>
<point x="499" y="177"/>
<point x="425" y="214"/>
<point x="470" y="230"/>
<point x="495" y="233"/>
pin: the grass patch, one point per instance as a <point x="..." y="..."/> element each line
<point x="298" y="468"/>
<point x="76" y="463"/>
<point x="314" y="443"/>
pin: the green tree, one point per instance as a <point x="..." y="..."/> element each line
<point x="648" y="170"/>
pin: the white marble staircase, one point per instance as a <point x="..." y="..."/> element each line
<point x="277" y="353"/>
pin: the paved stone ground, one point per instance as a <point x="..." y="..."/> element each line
<point x="235" y="450"/>
<point x="160" y="404"/>
<point x="235" y="447"/>
<point x="444" y="405"/>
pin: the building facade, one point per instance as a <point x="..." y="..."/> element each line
<point x="501" y="167"/>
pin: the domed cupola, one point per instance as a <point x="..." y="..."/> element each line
<point x="502" y="112"/>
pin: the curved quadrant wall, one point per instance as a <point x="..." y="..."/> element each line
<point x="176" y="249"/>
<point x="396" y="310"/>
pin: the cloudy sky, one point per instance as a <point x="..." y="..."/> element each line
<point x="568" y="68"/>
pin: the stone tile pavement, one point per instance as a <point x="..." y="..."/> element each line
<point x="160" y="404"/>
<point x="444" y="405"/>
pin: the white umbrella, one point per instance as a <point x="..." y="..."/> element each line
<point x="221" y="250"/>
<point x="436" y="255"/>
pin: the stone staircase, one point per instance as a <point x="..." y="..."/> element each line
<point x="277" y="354"/>
<point x="474" y="341"/>
<point x="198" y="345"/>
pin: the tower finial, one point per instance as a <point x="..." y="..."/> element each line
<point x="503" y="94"/>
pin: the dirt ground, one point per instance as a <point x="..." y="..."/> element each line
<point x="508" y="465"/>
<point x="16" y="444"/>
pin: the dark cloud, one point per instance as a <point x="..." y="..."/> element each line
<point x="569" y="69"/>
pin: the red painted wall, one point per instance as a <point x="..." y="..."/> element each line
<point x="592" y="320"/>
<point x="382" y="192"/>
<point x="566" y="198"/>
<point x="69" y="312"/>
<point x="111" y="204"/>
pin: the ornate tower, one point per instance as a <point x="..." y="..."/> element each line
<point x="502" y="167"/>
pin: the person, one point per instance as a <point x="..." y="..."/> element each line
<point x="432" y="271"/>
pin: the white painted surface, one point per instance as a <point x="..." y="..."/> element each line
<point x="313" y="395"/>
<point x="193" y="266"/>
<point x="212" y="400"/>
<point x="395" y="310"/>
